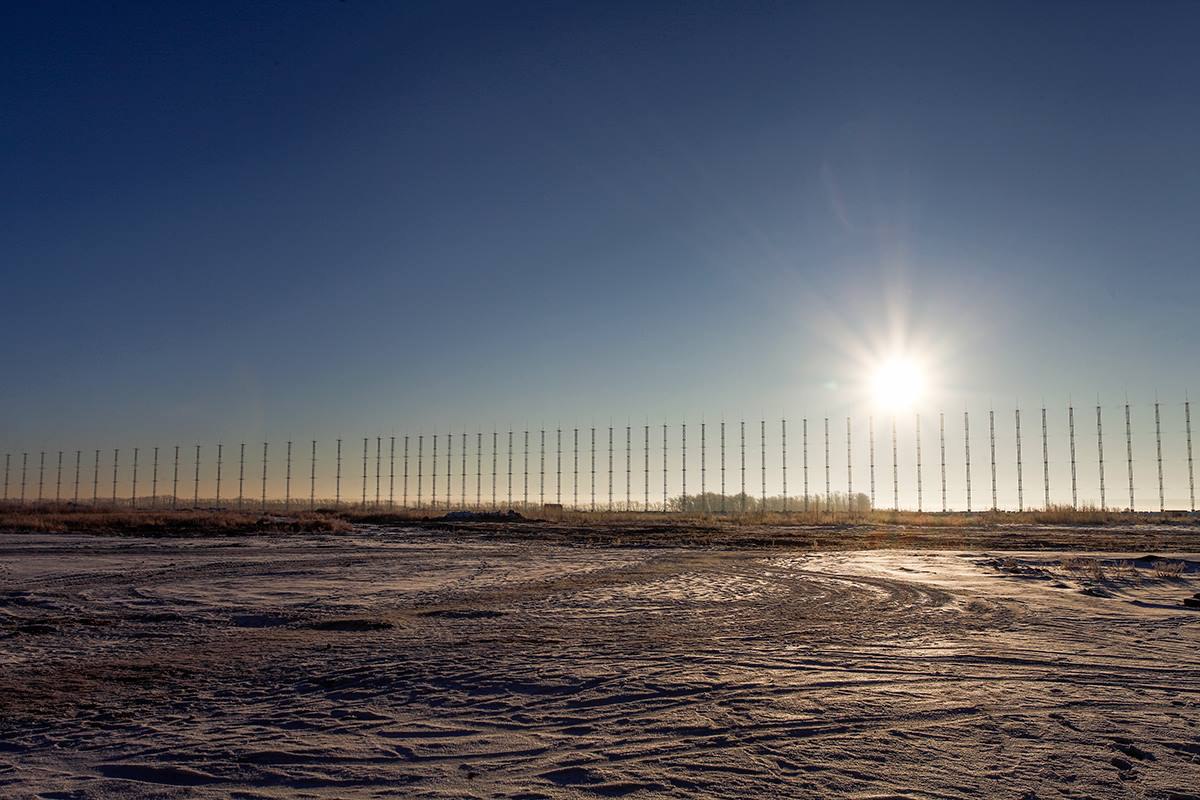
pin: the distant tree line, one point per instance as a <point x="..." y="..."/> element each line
<point x="713" y="502"/>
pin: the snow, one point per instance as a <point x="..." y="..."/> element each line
<point x="398" y="665"/>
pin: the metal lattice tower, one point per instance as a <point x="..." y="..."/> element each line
<point x="664" y="454"/>
<point x="525" y="472"/>
<point x="404" y="482"/>
<point x="433" y="474"/>
<point x="420" y="469"/>
<point x="895" y="470"/>
<point x="703" y="468"/>
<point x="1187" y="421"/>
<point x="195" y="480"/>
<point x="312" y="473"/>
<point x="478" y="471"/>
<point x="743" y="447"/>
<point x="762" y="441"/>
<point x="264" y="475"/>
<point x="942" y="447"/>
<point x="58" y="480"/>
<point x="683" y="463"/>
<point x="1045" y="460"/>
<point x="479" y="465"/>
<point x="1158" y="442"/>
<point x="992" y="439"/>
<point x="462" y="489"/>
<point x="828" y="493"/>
<point x="871" y="456"/>
<point x="804" y="454"/>
<point x="541" y="470"/>
<point x="1071" y="438"/>
<point x="628" y="467"/>
<point x="1020" y="465"/>
<point x="510" y="463"/>
<point x="378" y="465"/>
<point x="1100" y="452"/>
<point x="242" y="469"/>
<point x="593" y="469"/>
<point x="287" y="480"/>
<point x="967" y="454"/>
<point x="849" y="471"/>
<point x="920" y="496"/>
<point x="722" y="466"/>
<point x="646" y="467"/>
<point x="558" y="466"/>
<point x="1129" y="455"/>
<point x="25" y="463"/>
<point x="575" y="482"/>
<point x="610" y="468"/>
<point x="783" y="460"/>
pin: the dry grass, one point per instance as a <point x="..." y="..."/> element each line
<point x="162" y="522"/>
<point x="1126" y="569"/>
<point x="1167" y="569"/>
<point x="686" y="527"/>
<point x="1089" y="568"/>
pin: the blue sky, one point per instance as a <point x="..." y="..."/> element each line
<point x="305" y="220"/>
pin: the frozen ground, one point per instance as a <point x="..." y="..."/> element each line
<point x="382" y="666"/>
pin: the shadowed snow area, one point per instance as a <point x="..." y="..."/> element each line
<point x="389" y="666"/>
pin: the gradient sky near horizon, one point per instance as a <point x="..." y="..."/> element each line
<point x="302" y="220"/>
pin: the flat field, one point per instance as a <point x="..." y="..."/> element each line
<point x="390" y="662"/>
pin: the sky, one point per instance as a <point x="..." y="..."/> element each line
<point x="229" y="222"/>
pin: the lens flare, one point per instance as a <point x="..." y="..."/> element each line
<point x="897" y="384"/>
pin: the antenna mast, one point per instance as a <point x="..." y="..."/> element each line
<point x="1020" y="486"/>
<point x="942" y="446"/>
<point x="804" y="453"/>
<point x="895" y="470"/>
<point x="1100" y="451"/>
<point x="1071" y="437"/>
<point x="1129" y="454"/>
<point x="683" y="463"/>
<point x="1158" y="441"/>
<point x="287" y="479"/>
<point x="783" y="459"/>
<point x="264" y="477"/>
<point x="1045" y="459"/>
<point x="762" y="443"/>
<point x="992" y="438"/>
<point x="871" y="455"/>
<point x="242" y="472"/>
<point x="743" y="446"/>
<point x="920" y="499"/>
<point x="967" y="453"/>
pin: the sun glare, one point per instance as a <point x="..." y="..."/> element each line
<point x="897" y="384"/>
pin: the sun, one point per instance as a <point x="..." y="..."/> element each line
<point x="897" y="384"/>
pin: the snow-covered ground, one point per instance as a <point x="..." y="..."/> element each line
<point x="387" y="665"/>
